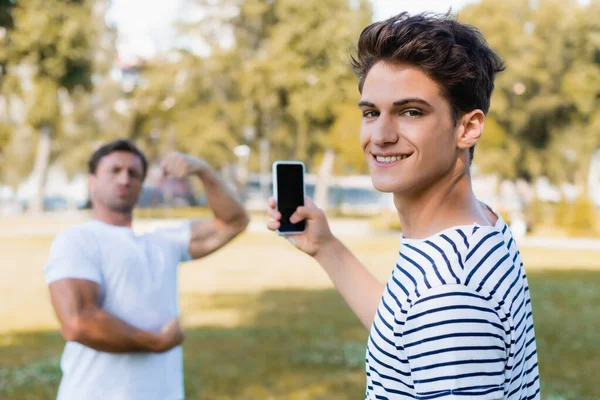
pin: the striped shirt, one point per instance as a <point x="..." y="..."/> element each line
<point x="455" y="321"/>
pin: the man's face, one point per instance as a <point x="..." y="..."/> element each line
<point x="407" y="134"/>
<point x="117" y="183"/>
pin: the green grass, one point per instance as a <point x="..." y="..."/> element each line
<point x="306" y="344"/>
<point x="262" y="321"/>
<point x="567" y="323"/>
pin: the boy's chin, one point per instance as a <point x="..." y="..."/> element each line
<point x="387" y="185"/>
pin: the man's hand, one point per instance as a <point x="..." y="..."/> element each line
<point x="180" y="165"/>
<point x="170" y="336"/>
<point x="317" y="235"/>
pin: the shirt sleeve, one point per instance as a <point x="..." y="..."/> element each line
<point x="456" y="345"/>
<point x="73" y="255"/>
<point x="179" y="237"/>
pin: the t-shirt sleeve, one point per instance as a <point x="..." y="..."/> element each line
<point x="73" y="254"/>
<point x="179" y="237"/>
<point x="456" y="345"/>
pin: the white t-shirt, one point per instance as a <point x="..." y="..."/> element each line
<point x="137" y="275"/>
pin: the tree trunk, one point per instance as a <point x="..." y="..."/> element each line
<point x="265" y="167"/>
<point x="323" y="180"/>
<point x="40" y="169"/>
<point x="593" y="178"/>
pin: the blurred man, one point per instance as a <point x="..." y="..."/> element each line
<point x="454" y="320"/>
<point x="115" y="292"/>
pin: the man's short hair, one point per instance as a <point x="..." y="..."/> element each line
<point x="117" y="145"/>
<point x="453" y="54"/>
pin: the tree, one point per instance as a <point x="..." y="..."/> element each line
<point x="93" y="117"/>
<point x="6" y="25"/>
<point x="283" y="76"/>
<point x="49" y="55"/>
<point x="544" y="115"/>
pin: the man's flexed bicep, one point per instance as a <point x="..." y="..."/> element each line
<point x="208" y="236"/>
<point x="230" y="217"/>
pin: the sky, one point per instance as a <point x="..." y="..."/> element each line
<point x="145" y="25"/>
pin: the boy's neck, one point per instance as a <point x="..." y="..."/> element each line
<point x="449" y="202"/>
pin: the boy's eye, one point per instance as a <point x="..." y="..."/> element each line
<point x="413" y="113"/>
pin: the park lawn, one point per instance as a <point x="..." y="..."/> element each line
<point x="257" y="328"/>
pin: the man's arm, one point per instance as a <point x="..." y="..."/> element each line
<point x="75" y="302"/>
<point x="230" y="217"/>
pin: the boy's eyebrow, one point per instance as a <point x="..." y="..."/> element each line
<point x="411" y="100"/>
<point x="365" y="103"/>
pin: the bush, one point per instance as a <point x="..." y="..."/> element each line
<point x="538" y="213"/>
<point x="542" y="215"/>
<point x="562" y="213"/>
<point x="578" y="218"/>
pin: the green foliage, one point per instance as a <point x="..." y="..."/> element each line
<point x="6" y="24"/>
<point x="344" y="139"/>
<point x="539" y="213"/>
<point x="5" y="133"/>
<point x="50" y="50"/>
<point x="563" y="213"/>
<point x="579" y="218"/>
<point x="53" y="36"/>
<point x="43" y="103"/>
<point x="544" y="104"/>
<point x="286" y="77"/>
<point x="280" y="70"/>
<point x="51" y="40"/>
<point x="47" y="65"/>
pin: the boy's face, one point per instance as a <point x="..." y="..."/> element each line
<point x="407" y="133"/>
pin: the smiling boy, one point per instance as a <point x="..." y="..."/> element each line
<point x="454" y="319"/>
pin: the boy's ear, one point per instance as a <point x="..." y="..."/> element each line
<point x="470" y="129"/>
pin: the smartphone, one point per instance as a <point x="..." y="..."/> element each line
<point x="289" y="191"/>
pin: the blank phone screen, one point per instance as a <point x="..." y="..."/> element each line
<point x="290" y="195"/>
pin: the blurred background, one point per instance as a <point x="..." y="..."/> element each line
<point x="242" y="83"/>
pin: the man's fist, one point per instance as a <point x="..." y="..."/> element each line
<point x="170" y="336"/>
<point x="180" y="165"/>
